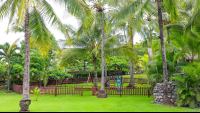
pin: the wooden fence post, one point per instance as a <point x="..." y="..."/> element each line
<point x="65" y="89"/>
<point x="81" y="90"/>
<point x="120" y="91"/>
<point x="93" y="91"/>
<point x="56" y="91"/>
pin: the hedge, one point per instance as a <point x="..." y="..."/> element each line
<point x="79" y="75"/>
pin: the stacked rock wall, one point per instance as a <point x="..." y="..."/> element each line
<point x="159" y="95"/>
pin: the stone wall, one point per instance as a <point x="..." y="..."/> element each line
<point x="159" y="95"/>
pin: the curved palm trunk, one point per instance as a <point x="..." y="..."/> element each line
<point x="165" y="73"/>
<point x="95" y="72"/>
<point x="26" y="79"/>
<point x="8" y="75"/>
<point x="102" y="93"/>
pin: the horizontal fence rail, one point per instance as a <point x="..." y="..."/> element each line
<point x="123" y="91"/>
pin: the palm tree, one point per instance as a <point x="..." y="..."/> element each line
<point x="165" y="73"/>
<point x="99" y="8"/>
<point x="8" y="53"/>
<point x="87" y="42"/>
<point x="131" y="13"/>
<point x="35" y="18"/>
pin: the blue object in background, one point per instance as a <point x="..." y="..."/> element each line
<point x="119" y="84"/>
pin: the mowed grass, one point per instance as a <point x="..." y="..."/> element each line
<point x="124" y="85"/>
<point x="86" y="103"/>
<point x="143" y="75"/>
<point x="99" y="85"/>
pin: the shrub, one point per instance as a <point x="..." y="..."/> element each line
<point x="188" y="91"/>
<point x="58" y="74"/>
<point x="79" y="75"/>
<point x="36" y="92"/>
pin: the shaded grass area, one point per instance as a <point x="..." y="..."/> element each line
<point x="99" y="85"/>
<point x="86" y="103"/>
<point x="124" y="85"/>
<point x="143" y="75"/>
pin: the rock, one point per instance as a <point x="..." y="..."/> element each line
<point x="159" y="95"/>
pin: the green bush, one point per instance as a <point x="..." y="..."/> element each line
<point x="188" y="91"/>
<point x="79" y="75"/>
<point x="58" y="74"/>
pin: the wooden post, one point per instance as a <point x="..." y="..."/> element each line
<point x="81" y="90"/>
<point x="88" y="78"/>
<point x="55" y="91"/>
<point x="120" y="91"/>
<point x="93" y="91"/>
<point x="65" y="89"/>
<point x="109" y="81"/>
<point x="114" y="81"/>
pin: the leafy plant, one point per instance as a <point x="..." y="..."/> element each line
<point x="58" y="74"/>
<point x="188" y="91"/>
<point x="36" y="92"/>
<point x="26" y="103"/>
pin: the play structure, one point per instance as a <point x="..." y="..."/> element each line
<point x="66" y="80"/>
<point x="112" y="78"/>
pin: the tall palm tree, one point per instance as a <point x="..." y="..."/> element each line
<point x="98" y="5"/>
<point x="165" y="73"/>
<point x="31" y="13"/>
<point x="133" y="12"/>
<point x="88" y="44"/>
<point x="9" y="52"/>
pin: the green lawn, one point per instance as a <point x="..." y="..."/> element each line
<point x="86" y="103"/>
<point x="99" y="85"/>
<point x="143" y="75"/>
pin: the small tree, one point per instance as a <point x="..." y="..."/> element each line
<point x="36" y="92"/>
<point x="7" y="54"/>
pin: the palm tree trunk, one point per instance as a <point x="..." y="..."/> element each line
<point x="131" y="83"/>
<point x="102" y="54"/>
<point x="102" y="93"/>
<point x="26" y="79"/>
<point x="8" y="75"/>
<point x="165" y="73"/>
<point x="105" y="74"/>
<point x="95" y="72"/>
<point x="168" y="33"/>
<point x="27" y="59"/>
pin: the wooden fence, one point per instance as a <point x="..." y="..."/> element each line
<point x="136" y="80"/>
<point x="68" y="81"/>
<point x="124" y="91"/>
<point x="57" y="90"/>
<point x="84" y="80"/>
<point x="78" y="90"/>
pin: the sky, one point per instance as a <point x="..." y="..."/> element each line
<point x="65" y="17"/>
